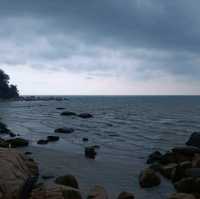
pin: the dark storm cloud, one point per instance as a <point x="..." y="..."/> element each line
<point x="162" y="35"/>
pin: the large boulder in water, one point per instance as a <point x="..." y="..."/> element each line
<point x="97" y="192"/>
<point x="18" y="174"/>
<point x="67" y="180"/>
<point x="85" y="115"/>
<point x="194" y="139"/>
<point x="64" y="130"/>
<point x="149" y="178"/>
<point x="52" y="191"/>
<point x="68" y="113"/>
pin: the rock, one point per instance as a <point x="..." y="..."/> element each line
<point x="52" y="138"/>
<point x="28" y="153"/>
<point x="85" y="139"/>
<point x="154" y="157"/>
<point x="193" y="172"/>
<point x="42" y="142"/>
<point x="156" y="166"/>
<point x="90" y="152"/>
<point x="187" y="185"/>
<point x="196" y="161"/>
<point x="126" y="195"/>
<point x="97" y="192"/>
<point x="47" y="177"/>
<point x="148" y="178"/>
<point x="179" y="172"/>
<point x="17" y="142"/>
<point x="194" y="140"/>
<point x="52" y="191"/>
<point x="60" y="108"/>
<point x="68" y="113"/>
<point x="64" y="130"/>
<point x="188" y="150"/>
<point x="67" y="180"/>
<point x="168" y="158"/>
<point x="167" y="170"/>
<point x="85" y="115"/>
<point x="18" y="174"/>
<point x="12" y="134"/>
<point x="182" y="196"/>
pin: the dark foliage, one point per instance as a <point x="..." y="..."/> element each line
<point x="7" y="91"/>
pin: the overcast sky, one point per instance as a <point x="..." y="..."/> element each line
<point x="121" y="47"/>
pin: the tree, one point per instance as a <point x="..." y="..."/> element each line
<point x="7" y="91"/>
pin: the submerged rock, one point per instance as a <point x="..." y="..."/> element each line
<point x="90" y="152"/>
<point x="194" y="140"/>
<point x="126" y="195"/>
<point x="18" y="174"/>
<point x="97" y="192"/>
<point x="68" y="113"/>
<point x="60" y="108"/>
<point x="42" y="142"/>
<point x="149" y="178"/>
<point x="85" y="139"/>
<point x="52" y="138"/>
<point x="67" y="180"/>
<point x="85" y="115"/>
<point x="64" y="130"/>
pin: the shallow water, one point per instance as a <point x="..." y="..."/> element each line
<point x="126" y="128"/>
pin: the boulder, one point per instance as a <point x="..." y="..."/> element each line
<point x="194" y="140"/>
<point x="187" y="185"/>
<point x="42" y="142"/>
<point x="182" y="196"/>
<point x="97" y="192"/>
<point x="196" y="161"/>
<point x="17" y="142"/>
<point x="149" y="178"/>
<point x="188" y="150"/>
<point x="52" y="191"/>
<point x="90" y="152"/>
<point x="64" y="130"/>
<point x="126" y="195"/>
<point x="167" y="170"/>
<point x="85" y="115"/>
<point x="68" y="113"/>
<point x="85" y="139"/>
<point x="193" y="172"/>
<point x="67" y="180"/>
<point x="18" y="174"/>
<point x="52" y="138"/>
<point x="154" y="157"/>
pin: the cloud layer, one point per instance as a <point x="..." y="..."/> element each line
<point x="128" y="43"/>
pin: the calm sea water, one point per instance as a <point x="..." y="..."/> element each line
<point x="126" y="128"/>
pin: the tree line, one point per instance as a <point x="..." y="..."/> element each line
<point x="7" y="90"/>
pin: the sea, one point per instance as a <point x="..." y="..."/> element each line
<point x="126" y="128"/>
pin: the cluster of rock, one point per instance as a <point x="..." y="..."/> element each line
<point x="181" y="165"/>
<point x="41" y="98"/>
<point x="19" y="180"/>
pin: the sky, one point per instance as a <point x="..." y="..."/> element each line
<point x="101" y="47"/>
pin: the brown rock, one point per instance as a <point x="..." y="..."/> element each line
<point x="126" y="195"/>
<point x="17" y="174"/>
<point x="97" y="192"/>
<point x="149" y="178"/>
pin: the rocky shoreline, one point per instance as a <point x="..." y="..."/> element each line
<point x="180" y="165"/>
